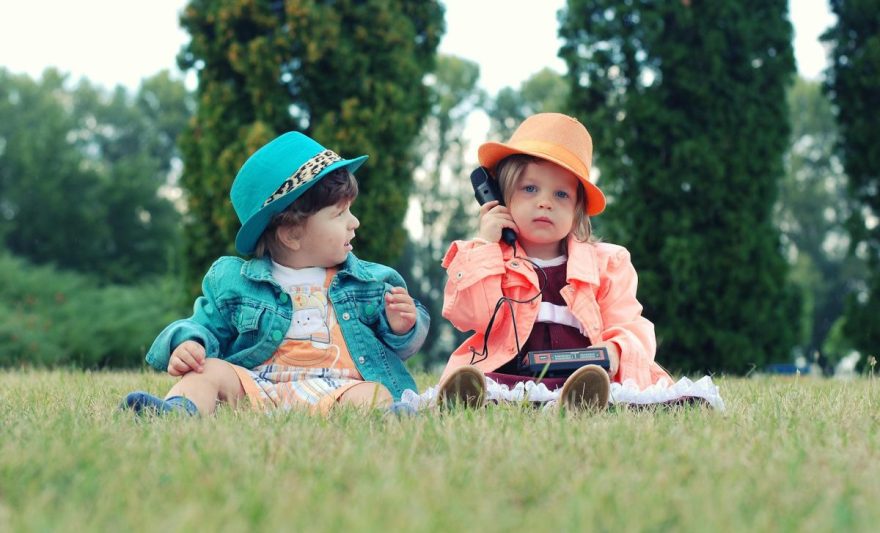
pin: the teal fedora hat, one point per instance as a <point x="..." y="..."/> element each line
<point x="276" y="175"/>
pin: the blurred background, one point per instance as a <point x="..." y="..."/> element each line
<point x="735" y="139"/>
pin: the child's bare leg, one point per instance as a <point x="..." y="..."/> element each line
<point x="218" y="381"/>
<point x="367" y="394"/>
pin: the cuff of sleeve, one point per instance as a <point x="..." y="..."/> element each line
<point x="409" y="343"/>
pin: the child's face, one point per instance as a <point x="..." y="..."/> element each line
<point x="543" y="208"/>
<point x="325" y="238"/>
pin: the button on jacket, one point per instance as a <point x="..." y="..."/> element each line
<point x="243" y="314"/>
<point x="600" y="293"/>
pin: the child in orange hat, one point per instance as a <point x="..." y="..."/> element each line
<point x="555" y="287"/>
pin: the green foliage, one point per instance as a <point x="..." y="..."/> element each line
<point x="441" y="189"/>
<point x="812" y="212"/>
<point x="544" y="92"/>
<point x="80" y="170"/>
<point x="852" y="83"/>
<point x="50" y="318"/>
<point x="349" y="73"/>
<point x="686" y="105"/>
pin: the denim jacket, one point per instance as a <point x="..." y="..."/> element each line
<point x="243" y="314"/>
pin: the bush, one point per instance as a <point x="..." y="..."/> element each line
<point x="50" y="317"/>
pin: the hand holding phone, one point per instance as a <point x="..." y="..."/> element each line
<point x="486" y="190"/>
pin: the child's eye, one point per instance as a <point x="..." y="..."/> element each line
<point x="562" y="194"/>
<point x="529" y="188"/>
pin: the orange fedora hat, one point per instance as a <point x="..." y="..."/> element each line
<point x="557" y="138"/>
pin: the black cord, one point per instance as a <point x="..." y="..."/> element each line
<point x="509" y="301"/>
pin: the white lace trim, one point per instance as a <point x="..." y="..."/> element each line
<point x="627" y="393"/>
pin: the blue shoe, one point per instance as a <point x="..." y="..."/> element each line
<point x="401" y="410"/>
<point x="145" y="403"/>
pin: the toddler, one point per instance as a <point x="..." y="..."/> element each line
<point x="305" y="323"/>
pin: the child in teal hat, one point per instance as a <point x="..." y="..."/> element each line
<point x="305" y="323"/>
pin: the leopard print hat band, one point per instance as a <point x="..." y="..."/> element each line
<point x="305" y="174"/>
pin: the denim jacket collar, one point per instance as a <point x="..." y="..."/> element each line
<point x="260" y="269"/>
<point x="351" y="267"/>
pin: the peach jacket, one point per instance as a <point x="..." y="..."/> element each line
<point x="601" y="293"/>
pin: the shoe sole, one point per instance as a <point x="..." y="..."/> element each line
<point x="465" y="387"/>
<point x="587" y="389"/>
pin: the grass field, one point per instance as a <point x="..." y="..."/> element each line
<point x="788" y="454"/>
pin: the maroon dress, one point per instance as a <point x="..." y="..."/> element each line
<point x="544" y="336"/>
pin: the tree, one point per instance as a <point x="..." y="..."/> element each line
<point x="349" y="73"/>
<point x="48" y="200"/>
<point x="440" y="191"/>
<point x="852" y="84"/>
<point x="686" y="105"/>
<point x="812" y="212"/>
<point x="80" y="170"/>
<point x="544" y="91"/>
<point x="131" y="140"/>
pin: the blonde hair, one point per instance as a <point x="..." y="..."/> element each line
<point x="337" y="186"/>
<point x="509" y="171"/>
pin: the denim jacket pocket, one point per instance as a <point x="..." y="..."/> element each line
<point x="247" y="319"/>
<point x="369" y="309"/>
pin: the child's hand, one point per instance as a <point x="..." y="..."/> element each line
<point x="400" y="310"/>
<point x="494" y="218"/>
<point x="188" y="356"/>
<point x="613" y="356"/>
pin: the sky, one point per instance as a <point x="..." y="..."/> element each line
<point x="114" y="42"/>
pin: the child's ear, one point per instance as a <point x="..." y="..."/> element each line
<point x="288" y="236"/>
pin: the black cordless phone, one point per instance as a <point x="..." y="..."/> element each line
<point x="486" y="190"/>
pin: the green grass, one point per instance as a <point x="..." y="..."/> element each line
<point x="787" y="455"/>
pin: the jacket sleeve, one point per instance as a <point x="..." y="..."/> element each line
<point x="207" y="326"/>
<point x="473" y="283"/>
<point x="623" y="321"/>
<point x="406" y="345"/>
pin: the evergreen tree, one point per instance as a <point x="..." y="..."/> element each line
<point x="686" y="105"/>
<point x="853" y="84"/>
<point x="347" y="72"/>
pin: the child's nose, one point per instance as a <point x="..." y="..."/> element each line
<point x="544" y="201"/>
<point x="355" y="223"/>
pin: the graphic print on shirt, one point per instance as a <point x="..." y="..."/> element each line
<point x="310" y="319"/>
<point x="313" y="340"/>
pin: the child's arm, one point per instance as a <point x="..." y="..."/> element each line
<point x="207" y="326"/>
<point x="401" y="310"/>
<point x="404" y="324"/>
<point x="473" y="284"/>
<point x="475" y="269"/>
<point x="623" y="323"/>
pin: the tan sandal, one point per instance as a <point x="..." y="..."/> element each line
<point x="463" y="387"/>
<point x="586" y="389"/>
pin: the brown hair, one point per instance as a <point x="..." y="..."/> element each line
<point x="336" y="187"/>
<point x="510" y="169"/>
